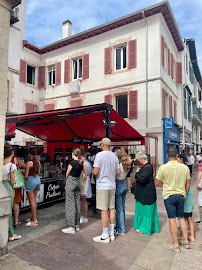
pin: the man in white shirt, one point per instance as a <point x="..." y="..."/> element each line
<point x="106" y="167"/>
<point x="190" y="162"/>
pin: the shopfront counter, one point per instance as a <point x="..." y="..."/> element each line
<point x="51" y="190"/>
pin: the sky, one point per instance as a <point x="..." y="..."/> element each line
<point x="44" y="17"/>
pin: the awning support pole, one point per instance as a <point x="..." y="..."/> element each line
<point x="107" y="123"/>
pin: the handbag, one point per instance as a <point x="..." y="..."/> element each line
<point x="20" y="180"/>
<point x="133" y="187"/>
<point x="83" y="185"/>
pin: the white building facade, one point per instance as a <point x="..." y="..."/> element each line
<point x="135" y="63"/>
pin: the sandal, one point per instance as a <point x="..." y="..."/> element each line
<point x="173" y="248"/>
<point x="17" y="223"/>
<point x="31" y="224"/>
<point x="187" y="245"/>
<point x="14" y="237"/>
<point x="27" y="219"/>
<point x="138" y="231"/>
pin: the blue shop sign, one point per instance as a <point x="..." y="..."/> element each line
<point x="169" y="123"/>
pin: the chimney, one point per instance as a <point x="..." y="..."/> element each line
<point x="66" y="29"/>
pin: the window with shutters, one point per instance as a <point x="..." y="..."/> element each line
<point x="165" y="57"/>
<point x="189" y="107"/>
<point x="122" y="105"/>
<point x="31" y="73"/>
<point x="51" y="75"/>
<point x="167" y="112"/>
<point x="185" y="103"/>
<point x="120" y="58"/>
<point x="77" y="69"/>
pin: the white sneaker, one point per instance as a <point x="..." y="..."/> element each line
<point x="112" y="236"/>
<point x="102" y="239"/>
<point x="83" y="220"/>
<point x="77" y="228"/>
<point x="69" y="230"/>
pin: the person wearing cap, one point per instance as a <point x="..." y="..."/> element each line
<point x="106" y="168"/>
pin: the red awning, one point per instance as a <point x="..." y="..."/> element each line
<point x="10" y="130"/>
<point x="82" y="122"/>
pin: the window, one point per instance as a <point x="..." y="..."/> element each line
<point x="165" y="57"/>
<point x="77" y="69"/>
<point x="189" y="108"/>
<point x="122" y="105"/>
<point x="167" y="105"/>
<point x="51" y="75"/>
<point x="120" y="58"/>
<point x="185" y="104"/>
<point x="186" y="64"/>
<point x="30" y="75"/>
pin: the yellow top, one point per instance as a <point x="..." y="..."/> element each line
<point x="174" y="176"/>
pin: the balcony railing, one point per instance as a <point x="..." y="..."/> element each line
<point x="14" y="15"/>
<point x="197" y="111"/>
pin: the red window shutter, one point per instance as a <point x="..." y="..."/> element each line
<point x="108" y="57"/>
<point x="58" y="73"/>
<point x="75" y="103"/>
<point x="133" y="104"/>
<point x="170" y="106"/>
<point x="172" y="62"/>
<point x="162" y="50"/>
<point x="132" y="53"/>
<point x="23" y="73"/>
<point x="175" y="112"/>
<point x="41" y="77"/>
<point x="49" y="107"/>
<point x="168" y="61"/>
<point x="163" y="103"/>
<point x="85" y="72"/>
<point x="29" y="107"/>
<point x="67" y="71"/>
<point x="179" y="73"/>
<point x="108" y="99"/>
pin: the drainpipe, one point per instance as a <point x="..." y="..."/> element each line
<point x="146" y="28"/>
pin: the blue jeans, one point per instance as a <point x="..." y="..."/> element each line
<point x="175" y="206"/>
<point x="120" y="197"/>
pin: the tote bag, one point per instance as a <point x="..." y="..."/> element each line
<point x="83" y="185"/>
<point x="20" y="180"/>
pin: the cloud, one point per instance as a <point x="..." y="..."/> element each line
<point x="44" y="18"/>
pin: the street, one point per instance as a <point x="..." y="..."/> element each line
<point x="46" y="247"/>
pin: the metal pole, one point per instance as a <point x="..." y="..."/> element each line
<point x="146" y="25"/>
<point x="107" y="123"/>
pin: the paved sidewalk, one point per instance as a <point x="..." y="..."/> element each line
<point x="55" y="250"/>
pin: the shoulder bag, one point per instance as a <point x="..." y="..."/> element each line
<point x="83" y="185"/>
<point x="20" y="180"/>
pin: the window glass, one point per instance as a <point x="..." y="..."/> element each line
<point x="124" y="57"/>
<point x="118" y="59"/>
<point x="77" y="68"/>
<point x="30" y="75"/>
<point x="122" y="105"/>
<point x="51" y="75"/>
<point x="80" y="68"/>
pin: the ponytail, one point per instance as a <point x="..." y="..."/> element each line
<point x="77" y="153"/>
<point x="33" y="152"/>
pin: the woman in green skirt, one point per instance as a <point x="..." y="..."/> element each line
<point x="146" y="217"/>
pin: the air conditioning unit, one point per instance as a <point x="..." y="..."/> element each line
<point x="74" y="86"/>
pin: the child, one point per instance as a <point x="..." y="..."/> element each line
<point x="199" y="188"/>
<point x="188" y="206"/>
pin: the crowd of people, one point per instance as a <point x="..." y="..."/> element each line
<point x="111" y="171"/>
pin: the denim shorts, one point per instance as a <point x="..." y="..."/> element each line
<point x="175" y="206"/>
<point x="33" y="183"/>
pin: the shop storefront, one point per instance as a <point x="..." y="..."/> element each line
<point x="63" y="130"/>
<point x="171" y="138"/>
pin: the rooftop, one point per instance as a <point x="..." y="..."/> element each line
<point x="162" y="7"/>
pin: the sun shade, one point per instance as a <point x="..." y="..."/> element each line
<point x="83" y="122"/>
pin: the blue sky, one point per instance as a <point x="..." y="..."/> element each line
<point x="45" y="17"/>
